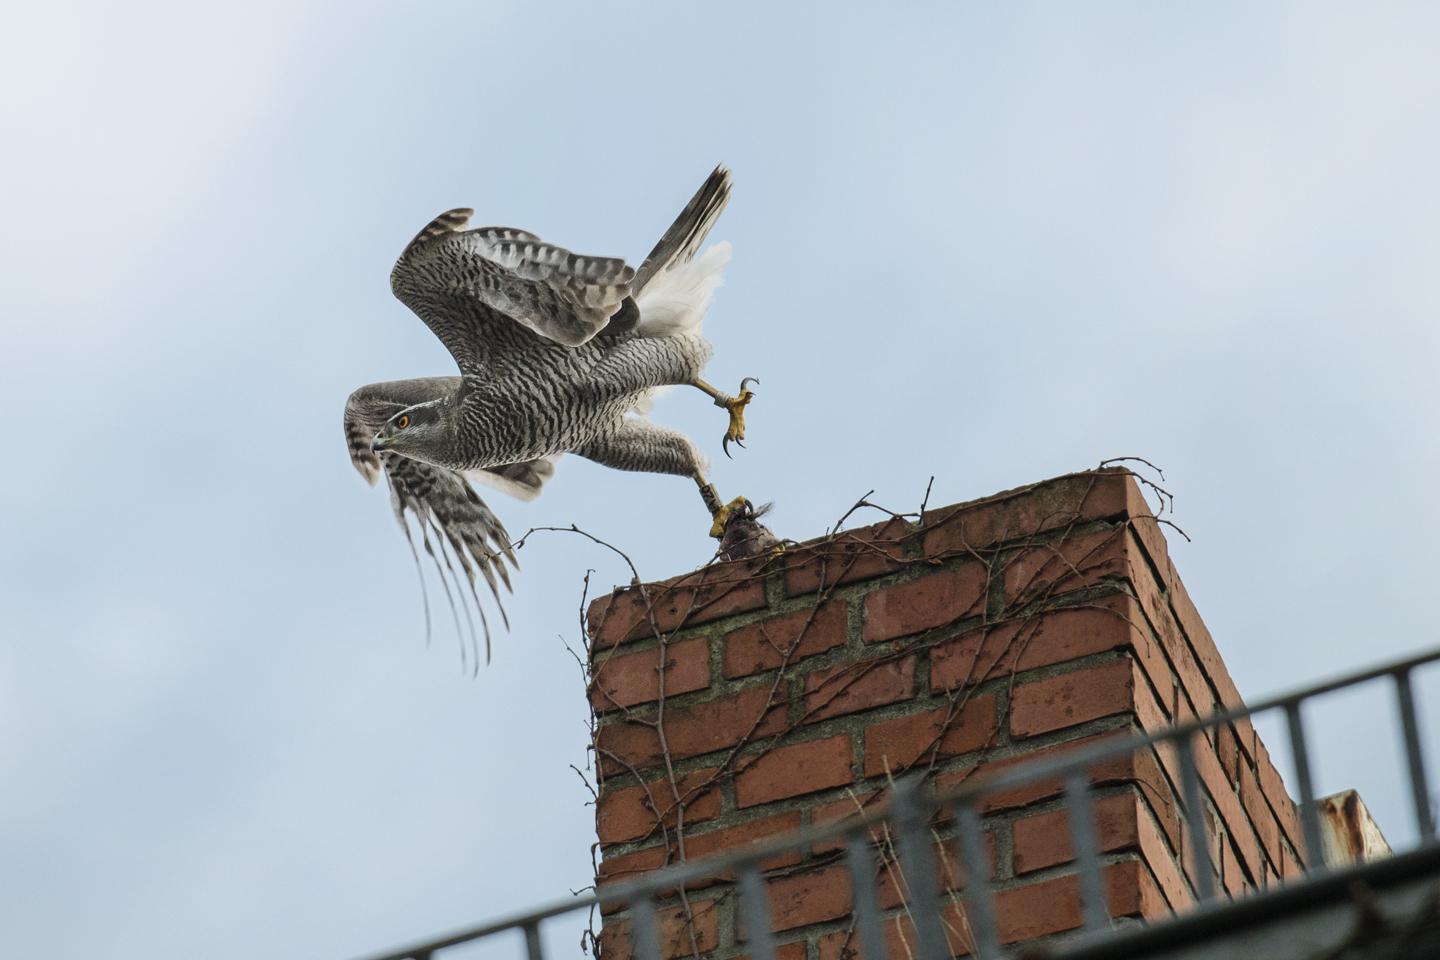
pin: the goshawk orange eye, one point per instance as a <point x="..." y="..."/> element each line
<point x="403" y="422"/>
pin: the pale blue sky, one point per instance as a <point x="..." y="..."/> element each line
<point x="988" y="242"/>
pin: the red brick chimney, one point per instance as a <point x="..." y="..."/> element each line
<point x="750" y="698"/>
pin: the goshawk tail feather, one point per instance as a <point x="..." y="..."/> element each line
<point x="683" y="239"/>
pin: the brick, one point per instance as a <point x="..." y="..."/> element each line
<point x="840" y="945"/>
<point x="1043" y="840"/>
<point x="1060" y="566"/>
<point x="811" y="897"/>
<point x="924" y="604"/>
<point x="623" y="816"/>
<point x="901" y="942"/>
<point x="893" y="890"/>
<point x="1131" y="888"/>
<point x="846" y="558"/>
<point x="1267" y="830"/>
<point x="1147" y="532"/>
<point x="852" y="806"/>
<point x="1292" y="868"/>
<point x="853" y="687"/>
<point x="627" y="866"/>
<point x="796" y="769"/>
<point x="1121" y="821"/>
<point x="1228" y="752"/>
<point x="1187" y="860"/>
<point x="1164" y="867"/>
<point x="741" y="834"/>
<point x="717" y="591"/>
<point x="1246" y="737"/>
<point x="625" y="681"/>
<point x="894" y="745"/>
<point x="1231" y="875"/>
<point x="674" y="932"/>
<point x="1027" y="511"/>
<point x="1080" y="696"/>
<point x="1037" y="909"/>
<point x="691" y="731"/>
<point x="759" y="646"/>
<point x="1040" y="641"/>
<point x="1052" y="906"/>
<point x="1287" y="815"/>
<point x="798" y="950"/>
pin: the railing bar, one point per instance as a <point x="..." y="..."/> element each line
<point x="867" y="911"/>
<point x="979" y="904"/>
<point x="917" y="860"/>
<point x="1087" y="852"/>
<point x="755" y="907"/>
<point x="643" y="932"/>
<point x="1339" y="683"/>
<point x="533" y="949"/>
<point x="1309" y="816"/>
<point x="1419" y="787"/>
<point x="1195" y="819"/>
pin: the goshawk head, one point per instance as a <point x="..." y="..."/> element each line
<point x="421" y="432"/>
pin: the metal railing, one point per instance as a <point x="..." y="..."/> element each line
<point x="908" y="816"/>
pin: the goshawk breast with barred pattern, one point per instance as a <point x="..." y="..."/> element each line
<point x="558" y="353"/>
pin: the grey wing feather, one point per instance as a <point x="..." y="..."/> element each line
<point x="462" y="282"/>
<point x="683" y="239"/>
<point x="591" y="289"/>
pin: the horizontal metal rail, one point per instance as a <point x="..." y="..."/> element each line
<point x="908" y="815"/>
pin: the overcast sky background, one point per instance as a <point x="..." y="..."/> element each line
<point x="989" y="242"/>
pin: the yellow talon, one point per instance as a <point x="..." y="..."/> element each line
<point x="723" y="515"/>
<point x="736" y="406"/>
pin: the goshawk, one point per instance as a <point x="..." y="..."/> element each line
<point x="558" y="353"/>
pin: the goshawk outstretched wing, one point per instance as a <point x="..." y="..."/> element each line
<point x="441" y="501"/>
<point x="463" y="283"/>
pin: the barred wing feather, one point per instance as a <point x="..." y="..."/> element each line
<point x="463" y="282"/>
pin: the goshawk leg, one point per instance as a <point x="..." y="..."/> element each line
<point x="634" y="444"/>
<point x="736" y="406"/>
<point x="648" y="362"/>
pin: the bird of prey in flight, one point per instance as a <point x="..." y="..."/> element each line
<point x="558" y="353"/>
